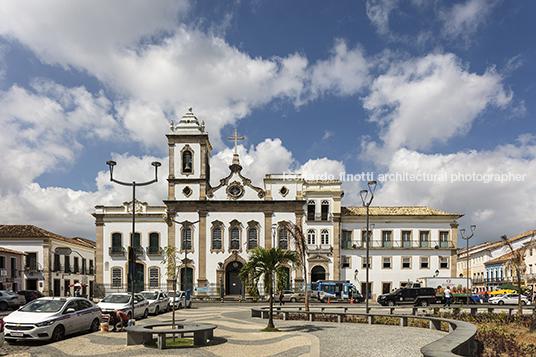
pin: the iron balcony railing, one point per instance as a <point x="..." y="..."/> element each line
<point x="398" y="244"/>
<point x="319" y="217"/>
<point x="321" y="248"/>
<point x="33" y="266"/>
<point x="114" y="250"/>
<point x="152" y="250"/>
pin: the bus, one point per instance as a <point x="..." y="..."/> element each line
<point x="335" y="290"/>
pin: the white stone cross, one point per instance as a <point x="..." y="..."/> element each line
<point x="235" y="138"/>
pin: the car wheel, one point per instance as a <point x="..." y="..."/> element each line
<point x="145" y="313"/>
<point x="523" y="302"/>
<point x="3" y="306"/>
<point x="58" y="334"/>
<point x="424" y="303"/>
<point x="156" y="311"/>
<point x="293" y="300"/>
<point x="391" y="303"/>
<point x="501" y="302"/>
<point x="95" y="326"/>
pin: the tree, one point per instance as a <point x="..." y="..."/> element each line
<point x="301" y="248"/>
<point x="263" y="264"/>
<point x="516" y="260"/>
<point x="171" y="260"/>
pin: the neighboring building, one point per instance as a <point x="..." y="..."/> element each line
<point x="221" y="224"/>
<point x="11" y="269"/>
<point x="46" y="271"/>
<point x="486" y="262"/>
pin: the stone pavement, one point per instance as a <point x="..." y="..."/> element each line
<point x="238" y="334"/>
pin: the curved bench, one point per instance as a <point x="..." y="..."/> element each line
<point x="459" y="341"/>
<point x="137" y="335"/>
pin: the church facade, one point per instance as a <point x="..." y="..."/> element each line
<point x="215" y="227"/>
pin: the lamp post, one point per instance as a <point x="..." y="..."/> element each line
<point x="366" y="203"/>
<point x="462" y="231"/>
<point x="156" y="165"/>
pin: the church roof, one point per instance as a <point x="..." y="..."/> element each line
<point x="29" y="231"/>
<point x="395" y="211"/>
<point x="188" y="124"/>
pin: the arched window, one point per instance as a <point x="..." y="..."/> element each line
<point x="324" y="236"/>
<point x="324" y="210"/>
<point x="283" y="238"/>
<point x="311" y="210"/>
<point x="216" y="238"/>
<point x="154" y="243"/>
<point x="154" y="278"/>
<point x="117" y="244"/>
<point x="235" y="238"/>
<point x="187" y="162"/>
<point x="116" y="278"/>
<point x="311" y="236"/>
<point x="252" y="237"/>
<point x="136" y="242"/>
<point x="187" y="238"/>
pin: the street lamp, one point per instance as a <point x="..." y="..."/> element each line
<point x="462" y="231"/>
<point x="156" y="165"/>
<point x="366" y="202"/>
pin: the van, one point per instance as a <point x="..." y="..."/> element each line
<point x="337" y="290"/>
<point x="403" y="296"/>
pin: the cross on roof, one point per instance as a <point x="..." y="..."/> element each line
<point x="235" y="138"/>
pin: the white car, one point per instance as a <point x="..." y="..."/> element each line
<point x="122" y="301"/>
<point x="51" y="318"/>
<point x="511" y="299"/>
<point x="158" y="301"/>
<point x="180" y="300"/>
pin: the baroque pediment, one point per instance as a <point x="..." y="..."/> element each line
<point x="235" y="188"/>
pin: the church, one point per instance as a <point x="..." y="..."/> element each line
<point x="215" y="227"/>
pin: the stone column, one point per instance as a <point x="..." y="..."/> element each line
<point x="268" y="229"/>
<point x="336" y="246"/>
<point x="453" y="254"/>
<point x="202" y="255"/>
<point x="100" y="291"/>
<point x="47" y="271"/>
<point x="171" y="175"/>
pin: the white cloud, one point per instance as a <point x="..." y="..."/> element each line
<point x="486" y="185"/>
<point x="464" y="19"/>
<point x="424" y="101"/>
<point x="41" y="131"/>
<point x="378" y="12"/>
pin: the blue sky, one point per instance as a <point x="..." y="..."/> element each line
<point x="442" y="90"/>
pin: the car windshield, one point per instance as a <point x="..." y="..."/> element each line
<point x="150" y="296"/>
<point x="116" y="299"/>
<point x="170" y="294"/>
<point x="44" y="306"/>
<point x="395" y="292"/>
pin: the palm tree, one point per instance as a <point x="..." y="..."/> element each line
<point x="516" y="260"/>
<point x="301" y="248"/>
<point x="264" y="264"/>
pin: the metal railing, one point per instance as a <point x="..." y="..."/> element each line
<point x="33" y="266"/>
<point x="321" y="248"/>
<point x="152" y="250"/>
<point x="401" y="244"/>
<point x="319" y="217"/>
<point x="116" y="250"/>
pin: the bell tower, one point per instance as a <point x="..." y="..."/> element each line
<point x="189" y="154"/>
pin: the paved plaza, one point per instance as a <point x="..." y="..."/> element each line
<point x="238" y="334"/>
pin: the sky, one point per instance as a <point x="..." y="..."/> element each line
<point x="433" y="99"/>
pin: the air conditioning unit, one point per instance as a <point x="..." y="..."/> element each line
<point x="3" y="272"/>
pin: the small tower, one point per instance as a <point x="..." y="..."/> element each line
<point x="189" y="164"/>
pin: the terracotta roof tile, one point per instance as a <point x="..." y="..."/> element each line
<point x="5" y="250"/>
<point x="29" y="231"/>
<point x="395" y="211"/>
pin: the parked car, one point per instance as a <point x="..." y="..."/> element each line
<point x="180" y="300"/>
<point x="512" y="299"/>
<point x="158" y="301"/>
<point x="52" y="318"/>
<point x="22" y="298"/>
<point x="292" y="296"/>
<point x="123" y="302"/>
<point x="9" y="299"/>
<point x="31" y="295"/>
<point x="416" y="296"/>
<point x="1" y="332"/>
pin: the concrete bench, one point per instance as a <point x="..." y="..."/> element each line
<point x="137" y="335"/>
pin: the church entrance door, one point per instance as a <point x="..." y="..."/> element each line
<point x="318" y="273"/>
<point x="234" y="285"/>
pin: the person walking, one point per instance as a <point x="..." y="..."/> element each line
<point x="447" y="296"/>
<point x="281" y="298"/>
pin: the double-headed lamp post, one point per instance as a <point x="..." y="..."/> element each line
<point x="156" y="165"/>
<point x="366" y="203"/>
<point x="462" y="231"/>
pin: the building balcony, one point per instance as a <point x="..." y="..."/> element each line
<point x="390" y="244"/>
<point x="152" y="250"/>
<point x="319" y="217"/>
<point x="33" y="267"/>
<point x="321" y="248"/>
<point x="116" y="251"/>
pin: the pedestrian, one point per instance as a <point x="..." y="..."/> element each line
<point x="486" y="297"/>
<point x="68" y="294"/>
<point x="447" y="296"/>
<point x="281" y="298"/>
<point x="118" y="320"/>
